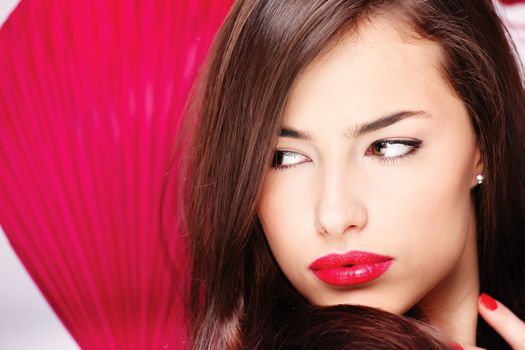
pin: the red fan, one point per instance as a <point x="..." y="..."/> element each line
<point x="91" y="96"/>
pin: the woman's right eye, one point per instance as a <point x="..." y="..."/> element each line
<point x="286" y="159"/>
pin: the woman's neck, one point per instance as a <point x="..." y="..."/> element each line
<point x="452" y="305"/>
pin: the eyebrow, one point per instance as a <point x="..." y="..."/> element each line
<point x="360" y="129"/>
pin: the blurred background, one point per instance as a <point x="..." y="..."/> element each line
<point x="27" y="321"/>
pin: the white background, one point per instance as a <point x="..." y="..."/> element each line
<point x="26" y="320"/>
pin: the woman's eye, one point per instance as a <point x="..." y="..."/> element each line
<point x="390" y="150"/>
<point x="382" y="150"/>
<point x="286" y="159"/>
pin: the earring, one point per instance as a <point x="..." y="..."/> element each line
<point x="480" y="179"/>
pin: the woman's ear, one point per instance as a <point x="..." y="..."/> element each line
<point x="478" y="168"/>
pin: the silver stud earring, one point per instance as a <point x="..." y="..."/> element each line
<point x="480" y="179"/>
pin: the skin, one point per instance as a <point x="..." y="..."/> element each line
<point x="510" y="327"/>
<point x="339" y="196"/>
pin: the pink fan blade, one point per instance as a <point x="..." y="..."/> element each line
<point x="91" y="96"/>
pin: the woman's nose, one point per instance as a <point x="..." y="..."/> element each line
<point x="340" y="208"/>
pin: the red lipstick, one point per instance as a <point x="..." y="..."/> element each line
<point x="351" y="268"/>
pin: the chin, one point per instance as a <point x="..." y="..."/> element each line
<point x="371" y="297"/>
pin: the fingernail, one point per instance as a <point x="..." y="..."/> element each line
<point x="487" y="301"/>
<point x="456" y="346"/>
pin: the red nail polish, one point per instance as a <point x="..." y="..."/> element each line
<point x="487" y="301"/>
<point x="456" y="346"/>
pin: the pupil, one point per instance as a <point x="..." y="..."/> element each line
<point x="379" y="146"/>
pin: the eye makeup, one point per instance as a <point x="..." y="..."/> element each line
<point x="402" y="149"/>
<point x="397" y="148"/>
<point x="284" y="159"/>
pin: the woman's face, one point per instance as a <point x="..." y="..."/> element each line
<point x="377" y="157"/>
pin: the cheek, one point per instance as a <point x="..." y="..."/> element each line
<point x="427" y="220"/>
<point x="437" y="226"/>
<point x="283" y="211"/>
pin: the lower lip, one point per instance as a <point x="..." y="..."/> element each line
<point x="350" y="276"/>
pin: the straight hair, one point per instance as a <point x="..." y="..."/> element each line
<point x="239" y="298"/>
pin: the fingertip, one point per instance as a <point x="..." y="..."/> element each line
<point x="503" y="320"/>
<point x="488" y="302"/>
<point x="456" y="346"/>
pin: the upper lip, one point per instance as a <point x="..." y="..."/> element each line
<point x="350" y="258"/>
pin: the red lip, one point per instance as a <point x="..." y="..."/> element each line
<point x="352" y="268"/>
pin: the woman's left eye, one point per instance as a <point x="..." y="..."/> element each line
<point x="391" y="150"/>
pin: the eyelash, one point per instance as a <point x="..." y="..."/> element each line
<point x="414" y="145"/>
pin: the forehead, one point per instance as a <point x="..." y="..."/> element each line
<point x="378" y="70"/>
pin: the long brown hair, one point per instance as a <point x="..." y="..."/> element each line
<point x="239" y="296"/>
